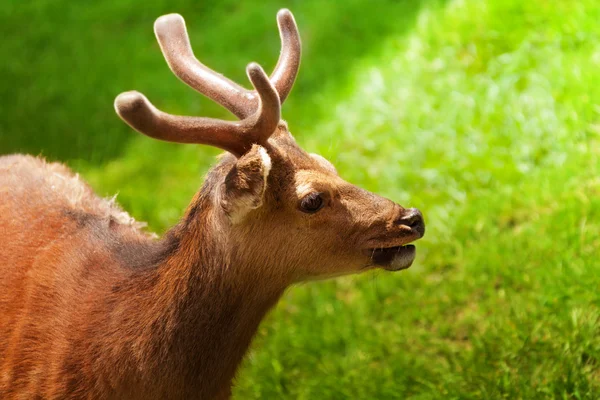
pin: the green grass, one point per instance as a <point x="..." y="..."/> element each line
<point x="485" y="114"/>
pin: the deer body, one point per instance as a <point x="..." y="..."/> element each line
<point x="83" y="281"/>
<point x="91" y="306"/>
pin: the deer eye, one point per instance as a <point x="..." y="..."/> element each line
<point x="312" y="202"/>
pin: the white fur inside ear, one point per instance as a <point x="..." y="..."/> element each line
<point x="266" y="161"/>
<point x="238" y="207"/>
<point x="241" y="208"/>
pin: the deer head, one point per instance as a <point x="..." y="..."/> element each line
<point x="277" y="206"/>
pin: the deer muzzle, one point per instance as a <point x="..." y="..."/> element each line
<point x="394" y="252"/>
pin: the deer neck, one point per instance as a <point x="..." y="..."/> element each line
<point x="210" y="306"/>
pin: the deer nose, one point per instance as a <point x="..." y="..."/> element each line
<point x="412" y="218"/>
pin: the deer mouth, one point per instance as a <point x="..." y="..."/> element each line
<point x="394" y="258"/>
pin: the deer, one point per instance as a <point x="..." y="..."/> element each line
<point x="94" y="306"/>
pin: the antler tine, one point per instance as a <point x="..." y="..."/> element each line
<point x="235" y="137"/>
<point x="259" y="127"/>
<point x="175" y="45"/>
<point x="174" y="42"/>
<point x="285" y="72"/>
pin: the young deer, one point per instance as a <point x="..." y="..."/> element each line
<point x="93" y="307"/>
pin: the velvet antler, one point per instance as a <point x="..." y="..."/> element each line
<point x="174" y="42"/>
<point x="259" y="108"/>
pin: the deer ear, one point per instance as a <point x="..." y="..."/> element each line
<point x="245" y="185"/>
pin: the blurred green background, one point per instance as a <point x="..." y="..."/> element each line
<point x="485" y="114"/>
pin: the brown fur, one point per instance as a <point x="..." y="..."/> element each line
<point x="92" y="307"/>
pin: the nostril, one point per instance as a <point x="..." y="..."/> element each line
<point x="412" y="218"/>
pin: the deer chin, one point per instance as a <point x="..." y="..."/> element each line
<point x="394" y="258"/>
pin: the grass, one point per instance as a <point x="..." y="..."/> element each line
<point x="485" y="114"/>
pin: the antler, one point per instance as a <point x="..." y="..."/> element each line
<point x="174" y="42"/>
<point x="235" y="137"/>
<point x="259" y="108"/>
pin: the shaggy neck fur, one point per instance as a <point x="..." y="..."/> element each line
<point x="200" y="309"/>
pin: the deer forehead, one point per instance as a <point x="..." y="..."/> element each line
<point x="308" y="181"/>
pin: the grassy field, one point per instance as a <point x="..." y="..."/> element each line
<point x="485" y="114"/>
